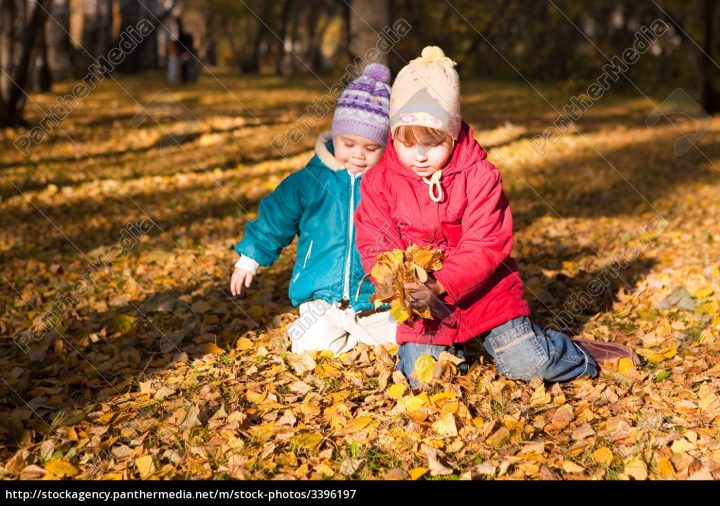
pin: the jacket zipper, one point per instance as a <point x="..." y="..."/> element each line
<point x="346" y="284"/>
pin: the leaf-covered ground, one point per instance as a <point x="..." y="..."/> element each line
<point x="153" y="371"/>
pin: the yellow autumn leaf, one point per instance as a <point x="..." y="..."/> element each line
<point x="123" y="322"/>
<point x="442" y="398"/>
<point x="255" y="397"/>
<point x="61" y="468"/>
<point x="380" y="271"/>
<point x="647" y="314"/>
<point x="211" y="348"/>
<point x="325" y="470"/>
<point x="571" y="467"/>
<point x="396" y="391"/>
<point x="417" y="472"/>
<point x="636" y="468"/>
<point x="413" y="402"/>
<point x="301" y="471"/>
<point x="308" y="440"/>
<point x="710" y="307"/>
<point x="445" y="426"/>
<point x="145" y="466"/>
<point x="327" y="370"/>
<point x="339" y="396"/>
<point x="568" y="265"/>
<point x="262" y="433"/>
<point x="244" y="344"/>
<point x="360" y="422"/>
<point x="655" y="357"/>
<point x="540" y="397"/>
<point x="626" y="367"/>
<point x="393" y="269"/>
<point x="424" y="367"/>
<point x="681" y="445"/>
<point x="703" y="292"/>
<point x="398" y="312"/>
<point x="665" y="469"/>
<point x="705" y="402"/>
<point x="602" y="456"/>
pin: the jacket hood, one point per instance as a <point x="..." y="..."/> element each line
<point x="466" y="153"/>
<point x="324" y="154"/>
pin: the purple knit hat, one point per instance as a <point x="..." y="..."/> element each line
<point x="364" y="106"/>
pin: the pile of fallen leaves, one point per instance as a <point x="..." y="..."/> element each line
<point x="155" y="372"/>
<point x="395" y="268"/>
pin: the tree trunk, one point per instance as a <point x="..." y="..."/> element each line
<point x="7" y="39"/>
<point x="104" y="24"/>
<point x="97" y="36"/>
<point x="367" y="19"/>
<point x="15" y="76"/>
<point x="287" y="6"/>
<point x="57" y="39"/>
<point x="41" y="80"/>
<point x="710" y="96"/>
<point x="148" y="48"/>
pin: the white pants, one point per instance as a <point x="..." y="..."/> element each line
<point x="324" y="326"/>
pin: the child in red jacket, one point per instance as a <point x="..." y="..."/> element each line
<point x="435" y="186"/>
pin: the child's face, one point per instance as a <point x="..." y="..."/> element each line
<point x="424" y="158"/>
<point x="357" y="153"/>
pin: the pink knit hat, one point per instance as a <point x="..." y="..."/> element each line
<point x="426" y="92"/>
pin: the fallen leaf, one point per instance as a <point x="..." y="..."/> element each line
<point x="145" y="466"/>
<point x="396" y="391"/>
<point x="424" y="367"/>
<point x="61" y="468"/>
<point x="445" y="426"/>
<point x="540" y="397"/>
<point x="665" y="469"/>
<point x="636" y="468"/>
<point x="602" y="456"/>
<point x="571" y="467"/>
<point x="436" y="468"/>
<point x="417" y="472"/>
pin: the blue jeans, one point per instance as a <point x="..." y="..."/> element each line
<point x="521" y="351"/>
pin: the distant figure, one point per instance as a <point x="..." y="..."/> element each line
<point x="173" y="61"/>
<point x="187" y="54"/>
<point x="210" y="54"/>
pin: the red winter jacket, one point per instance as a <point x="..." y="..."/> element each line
<point x="472" y="224"/>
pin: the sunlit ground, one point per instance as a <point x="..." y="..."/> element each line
<point x="112" y="395"/>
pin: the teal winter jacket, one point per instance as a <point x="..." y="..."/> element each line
<point x="317" y="204"/>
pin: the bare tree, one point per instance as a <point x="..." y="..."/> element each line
<point x="706" y="11"/>
<point x="57" y="38"/>
<point x="16" y="57"/>
<point x="367" y="19"/>
<point x="97" y="27"/>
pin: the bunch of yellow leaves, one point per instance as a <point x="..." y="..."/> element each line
<point x="395" y="268"/>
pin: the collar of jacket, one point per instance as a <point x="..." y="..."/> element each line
<point x="324" y="154"/>
<point x="466" y="153"/>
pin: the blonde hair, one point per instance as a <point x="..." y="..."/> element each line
<point x="418" y="133"/>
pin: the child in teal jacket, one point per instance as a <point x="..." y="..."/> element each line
<point x="317" y="204"/>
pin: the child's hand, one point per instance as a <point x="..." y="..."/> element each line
<point x="239" y="278"/>
<point x="426" y="295"/>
